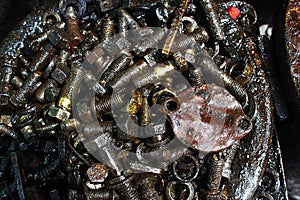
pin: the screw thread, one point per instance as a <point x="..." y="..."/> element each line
<point x="144" y="79"/>
<point x="183" y="43"/>
<point x="125" y="188"/>
<point x="215" y="175"/>
<point x="106" y="104"/>
<point x="73" y="82"/>
<point x="200" y="35"/>
<point x="196" y="77"/>
<point x="7" y="131"/>
<point x="108" y="27"/>
<point x="50" y="169"/>
<point x="116" y="67"/>
<point x="103" y="194"/>
<point x="23" y="92"/>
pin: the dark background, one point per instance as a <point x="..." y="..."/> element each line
<point x="13" y="11"/>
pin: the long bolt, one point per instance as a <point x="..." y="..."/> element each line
<point x="116" y="67"/>
<point x="108" y="29"/>
<point x="6" y="74"/>
<point x="214" y="181"/>
<point x="8" y="131"/>
<point x="73" y="26"/>
<point x="231" y="152"/>
<point x="125" y="187"/>
<point x="71" y="85"/>
<point x="106" y="104"/>
<point x="42" y="59"/>
<point x="19" y="97"/>
<point x="213" y="19"/>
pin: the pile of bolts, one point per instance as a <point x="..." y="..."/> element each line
<point x="128" y="99"/>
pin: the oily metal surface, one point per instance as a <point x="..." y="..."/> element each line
<point x="11" y="44"/>
<point x="253" y="157"/>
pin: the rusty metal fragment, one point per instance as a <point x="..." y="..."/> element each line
<point x="208" y="118"/>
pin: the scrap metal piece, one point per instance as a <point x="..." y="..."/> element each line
<point x="207" y="117"/>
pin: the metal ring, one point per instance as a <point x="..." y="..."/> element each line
<point x="50" y="14"/>
<point x="170" y="194"/>
<point x="189" y="178"/>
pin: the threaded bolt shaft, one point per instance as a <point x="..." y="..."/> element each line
<point x="125" y="188"/>
<point x="71" y="85"/>
<point x="106" y="104"/>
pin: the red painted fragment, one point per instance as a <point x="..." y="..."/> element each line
<point x="234" y="12"/>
